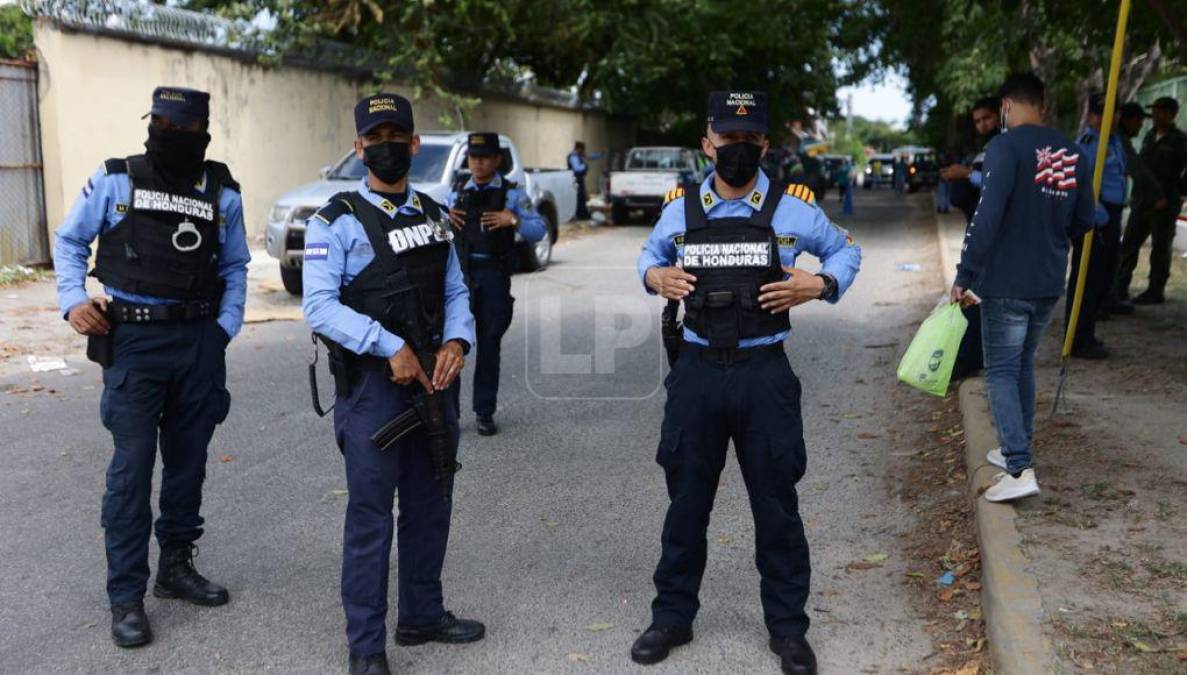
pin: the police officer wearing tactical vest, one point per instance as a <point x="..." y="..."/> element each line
<point x="384" y="289"/>
<point x="173" y="256"/>
<point x="486" y="211"/>
<point x="729" y="253"/>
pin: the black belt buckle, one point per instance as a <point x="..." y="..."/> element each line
<point x="718" y="299"/>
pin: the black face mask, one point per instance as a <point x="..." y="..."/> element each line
<point x="389" y="161"/>
<point x="176" y="154"/>
<point x="737" y="162"/>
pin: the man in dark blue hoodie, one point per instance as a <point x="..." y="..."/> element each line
<point x="1037" y="195"/>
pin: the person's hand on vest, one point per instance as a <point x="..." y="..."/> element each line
<point x="672" y="283"/>
<point x="450" y="361"/>
<point x="88" y="318"/>
<point x="457" y="218"/>
<point x="406" y="368"/>
<point x="494" y="220"/>
<point x="800" y="287"/>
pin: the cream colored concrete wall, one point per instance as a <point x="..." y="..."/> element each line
<point x="275" y="127"/>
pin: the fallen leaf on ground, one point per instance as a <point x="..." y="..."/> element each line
<point x="916" y="575"/>
<point x="1141" y="646"/>
<point x="547" y="522"/>
<point x="946" y="594"/>
<point x="578" y="657"/>
<point x="866" y="435"/>
<point x="1182" y="655"/>
<point x="598" y="627"/>
<point x="724" y="539"/>
<point x="877" y="557"/>
<point x="227" y="458"/>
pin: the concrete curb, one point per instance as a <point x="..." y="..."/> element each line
<point x="1009" y="593"/>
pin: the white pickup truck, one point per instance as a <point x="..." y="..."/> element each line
<point x="440" y="162"/>
<point x="648" y="175"/>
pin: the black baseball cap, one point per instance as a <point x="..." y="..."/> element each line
<point x="180" y="105"/>
<point x="1133" y="109"/>
<point x="1166" y="103"/>
<point x="373" y="111"/>
<point x="482" y="144"/>
<point x="738" y="111"/>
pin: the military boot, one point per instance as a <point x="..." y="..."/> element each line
<point x="129" y="625"/>
<point x="177" y="578"/>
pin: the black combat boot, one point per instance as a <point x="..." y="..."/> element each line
<point x="657" y="642"/>
<point x="129" y="625"/>
<point x="177" y="578"/>
<point x="375" y="664"/>
<point x="449" y="629"/>
<point x="795" y="655"/>
<point x="486" y="425"/>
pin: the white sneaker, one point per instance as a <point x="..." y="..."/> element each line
<point x="996" y="458"/>
<point x="1008" y="488"/>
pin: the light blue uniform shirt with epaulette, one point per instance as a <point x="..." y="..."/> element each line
<point x="336" y="252"/>
<point x="532" y="226"/>
<point x="1112" y="180"/>
<point x="800" y="227"/>
<point x="100" y="208"/>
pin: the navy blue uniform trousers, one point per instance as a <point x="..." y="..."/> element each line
<point x="492" y="306"/>
<point x="373" y="478"/>
<point x="755" y="402"/>
<point x="166" y="388"/>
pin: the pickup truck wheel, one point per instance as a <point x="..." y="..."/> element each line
<point x="291" y="278"/>
<point x="536" y="256"/>
<point x="619" y="213"/>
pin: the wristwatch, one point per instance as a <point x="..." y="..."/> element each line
<point x="830" y="286"/>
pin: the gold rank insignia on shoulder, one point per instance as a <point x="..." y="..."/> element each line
<point x="786" y="240"/>
<point x="673" y="195"/>
<point x="802" y="192"/>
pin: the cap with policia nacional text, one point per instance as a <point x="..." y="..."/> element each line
<point x="738" y="111"/>
<point x="482" y="144"/>
<point x="373" y="111"/>
<point x="180" y="105"/>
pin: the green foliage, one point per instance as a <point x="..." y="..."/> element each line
<point x="16" y="33"/>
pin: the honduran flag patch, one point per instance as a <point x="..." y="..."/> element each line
<point x="316" y="251"/>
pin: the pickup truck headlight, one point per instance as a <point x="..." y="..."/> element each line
<point x="279" y="213"/>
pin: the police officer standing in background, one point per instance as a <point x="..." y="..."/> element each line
<point x="383" y="287"/>
<point x="729" y="253"/>
<point x="577" y="164"/>
<point x="1164" y="150"/>
<point x="173" y="256"/>
<point x="486" y="212"/>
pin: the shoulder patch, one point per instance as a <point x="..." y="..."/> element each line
<point x="337" y="207"/>
<point x="115" y="165"/>
<point x="673" y="195"/>
<point x="801" y="192"/>
<point x="786" y="240"/>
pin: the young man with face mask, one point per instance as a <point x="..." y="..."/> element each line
<point x="729" y="252"/>
<point x="173" y="256"/>
<point x="1037" y="195"/>
<point x="486" y="212"/>
<point x="383" y="287"/>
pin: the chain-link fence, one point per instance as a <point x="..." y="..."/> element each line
<point x="23" y="238"/>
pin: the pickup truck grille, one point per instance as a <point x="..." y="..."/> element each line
<point x="294" y="240"/>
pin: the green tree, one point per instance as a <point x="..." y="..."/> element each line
<point x="16" y="33"/>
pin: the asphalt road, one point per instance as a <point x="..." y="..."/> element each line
<point x="556" y="530"/>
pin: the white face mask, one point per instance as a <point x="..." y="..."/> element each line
<point x="1005" y="115"/>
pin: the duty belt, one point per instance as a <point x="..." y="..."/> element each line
<point x="729" y="355"/>
<point x="126" y="312"/>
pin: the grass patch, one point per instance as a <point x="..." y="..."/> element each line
<point x="11" y="275"/>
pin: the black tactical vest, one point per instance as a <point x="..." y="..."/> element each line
<point x="167" y="244"/>
<point x="474" y="237"/>
<point x="403" y="288"/>
<point x="731" y="259"/>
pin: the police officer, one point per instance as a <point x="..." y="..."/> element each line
<point x="1164" y="150"/>
<point x="729" y="252"/>
<point x="384" y="288"/>
<point x="173" y="256"/>
<point x="577" y="164"/>
<point x="486" y="211"/>
<point x="1102" y="264"/>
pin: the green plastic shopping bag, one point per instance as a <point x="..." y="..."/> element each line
<point x="927" y="365"/>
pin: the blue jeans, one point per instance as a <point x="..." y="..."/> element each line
<point x="1011" y="329"/>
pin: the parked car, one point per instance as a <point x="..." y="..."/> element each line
<point x="435" y="169"/>
<point x="879" y="171"/>
<point x="648" y="174"/>
<point x="923" y="171"/>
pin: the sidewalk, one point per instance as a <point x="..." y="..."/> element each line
<point x="1103" y="549"/>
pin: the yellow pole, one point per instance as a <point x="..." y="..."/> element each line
<point x="1106" y="127"/>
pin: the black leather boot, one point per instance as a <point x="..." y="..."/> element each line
<point x="450" y="630"/>
<point x="129" y="625"/>
<point x="657" y="642"/>
<point x="486" y="425"/>
<point x="375" y="664"/>
<point x="177" y="578"/>
<point x="795" y="655"/>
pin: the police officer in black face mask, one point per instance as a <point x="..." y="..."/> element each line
<point x="729" y="253"/>
<point x="173" y="257"/>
